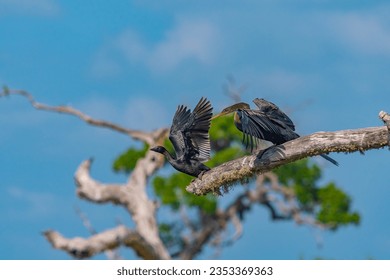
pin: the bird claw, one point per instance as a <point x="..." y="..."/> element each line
<point x="201" y="175"/>
<point x="262" y="152"/>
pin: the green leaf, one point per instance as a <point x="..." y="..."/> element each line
<point x="335" y="207"/>
<point x="225" y="155"/>
<point x="127" y="161"/>
<point x="328" y="203"/>
<point x="171" y="191"/>
<point x="302" y="177"/>
<point x="223" y="133"/>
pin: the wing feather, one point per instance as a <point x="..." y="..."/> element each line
<point x="176" y="135"/>
<point x="197" y="132"/>
<point x="274" y="113"/>
<point x="189" y="133"/>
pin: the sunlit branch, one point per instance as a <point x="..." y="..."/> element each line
<point x="242" y="169"/>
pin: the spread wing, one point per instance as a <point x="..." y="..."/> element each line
<point x="255" y="125"/>
<point x="189" y="132"/>
<point x="286" y="126"/>
<point x="274" y="113"/>
<point x="176" y="132"/>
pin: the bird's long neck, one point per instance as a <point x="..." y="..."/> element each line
<point x="167" y="154"/>
<point x="237" y="120"/>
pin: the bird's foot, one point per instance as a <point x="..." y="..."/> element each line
<point x="261" y="152"/>
<point x="200" y="176"/>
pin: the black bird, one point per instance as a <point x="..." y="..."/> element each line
<point x="189" y="135"/>
<point x="267" y="123"/>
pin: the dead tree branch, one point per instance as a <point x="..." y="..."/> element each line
<point x="267" y="185"/>
<point x="135" y="134"/>
<point x="318" y="143"/>
<point x="131" y="195"/>
<point x="287" y="208"/>
<point x="83" y="248"/>
<point x="111" y="254"/>
<point x="92" y="190"/>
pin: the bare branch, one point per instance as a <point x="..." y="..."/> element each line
<point x="288" y="207"/>
<point x="135" y="134"/>
<point x="138" y="204"/>
<point x="82" y="248"/>
<point x="285" y="209"/>
<point x="315" y="144"/>
<point x="112" y="254"/>
<point x="234" y="218"/>
<point x="212" y="226"/>
<point x="86" y="222"/>
<point x="95" y="191"/>
<point x="195" y="243"/>
<point x="131" y="195"/>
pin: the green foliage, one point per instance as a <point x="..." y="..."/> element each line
<point x="223" y="133"/>
<point x="225" y="155"/>
<point x="335" y="207"/>
<point x="328" y="203"/>
<point x="302" y="176"/>
<point x="171" y="190"/>
<point x="127" y="161"/>
<point x="223" y="128"/>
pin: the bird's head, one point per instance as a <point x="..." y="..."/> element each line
<point x="231" y="109"/>
<point x="158" y="149"/>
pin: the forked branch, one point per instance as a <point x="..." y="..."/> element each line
<point x="132" y="195"/>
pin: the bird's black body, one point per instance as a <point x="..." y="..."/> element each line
<point x="189" y="135"/>
<point x="267" y="123"/>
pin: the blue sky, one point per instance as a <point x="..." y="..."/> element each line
<point x="326" y="63"/>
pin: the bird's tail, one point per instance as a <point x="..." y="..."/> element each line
<point x="330" y="159"/>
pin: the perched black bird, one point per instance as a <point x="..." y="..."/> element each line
<point x="189" y="135"/>
<point x="267" y="123"/>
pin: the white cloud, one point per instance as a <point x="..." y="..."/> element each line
<point x="281" y="81"/>
<point x="36" y="204"/>
<point x="130" y="45"/>
<point x="188" y="40"/>
<point x="103" y="65"/>
<point x="29" y="7"/>
<point x="146" y="113"/>
<point x="136" y="113"/>
<point x="100" y="108"/>
<point x="194" y="40"/>
<point x="363" y="32"/>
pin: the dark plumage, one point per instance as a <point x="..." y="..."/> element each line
<point x="189" y="135"/>
<point x="267" y="123"/>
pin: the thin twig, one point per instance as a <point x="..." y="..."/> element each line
<point x="135" y="134"/>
